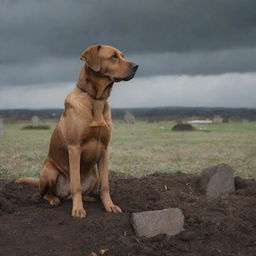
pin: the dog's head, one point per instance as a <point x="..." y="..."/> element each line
<point x="108" y="61"/>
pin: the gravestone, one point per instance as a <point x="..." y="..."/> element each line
<point x="217" y="119"/>
<point x="1" y="127"/>
<point x="151" y="223"/>
<point x="35" y="121"/>
<point x="129" y="118"/>
<point x="217" y="180"/>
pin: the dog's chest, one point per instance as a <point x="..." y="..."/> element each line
<point x="95" y="141"/>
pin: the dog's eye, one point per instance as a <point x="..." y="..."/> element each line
<point x="114" y="56"/>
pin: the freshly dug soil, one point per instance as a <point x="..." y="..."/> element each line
<point x="222" y="226"/>
<point x="39" y="127"/>
<point x="183" y="127"/>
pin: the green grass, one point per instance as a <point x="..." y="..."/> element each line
<point x="142" y="148"/>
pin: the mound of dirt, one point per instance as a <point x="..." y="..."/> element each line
<point x="39" y="127"/>
<point x="183" y="127"/>
<point x="222" y="226"/>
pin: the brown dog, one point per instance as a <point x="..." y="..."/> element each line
<point x="78" y="155"/>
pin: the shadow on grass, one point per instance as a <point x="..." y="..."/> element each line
<point x="39" y="127"/>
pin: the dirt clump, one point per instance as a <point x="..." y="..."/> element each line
<point x="220" y="226"/>
<point x="183" y="127"/>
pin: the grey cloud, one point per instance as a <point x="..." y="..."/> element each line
<point x="179" y="34"/>
<point x="226" y="90"/>
<point x="34" y="28"/>
<point x="44" y="71"/>
<point x="192" y="63"/>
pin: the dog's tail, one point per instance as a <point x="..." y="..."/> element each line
<point x="28" y="180"/>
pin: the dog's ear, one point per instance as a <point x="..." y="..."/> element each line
<point x="91" y="57"/>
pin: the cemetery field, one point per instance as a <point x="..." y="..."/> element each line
<point x="221" y="226"/>
<point x="142" y="148"/>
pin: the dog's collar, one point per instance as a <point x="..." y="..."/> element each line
<point x="84" y="91"/>
<point x="103" y="94"/>
<point x="91" y="96"/>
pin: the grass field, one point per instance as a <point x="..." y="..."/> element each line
<point x="142" y="148"/>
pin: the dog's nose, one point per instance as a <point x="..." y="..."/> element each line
<point x="135" y="67"/>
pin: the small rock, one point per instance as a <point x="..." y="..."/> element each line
<point x="151" y="223"/>
<point x="217" y="180"/>
<point x="129" y="118"/>
<point x="187" y="235"/>
<point x="241" y="183"/>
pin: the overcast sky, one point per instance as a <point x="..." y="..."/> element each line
<point x="190" y="52"/>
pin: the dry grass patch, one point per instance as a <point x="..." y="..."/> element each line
<point x="142" y="148"/>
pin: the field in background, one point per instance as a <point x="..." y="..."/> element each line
<point x="142" y="148"/>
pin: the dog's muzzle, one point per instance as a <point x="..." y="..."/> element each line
<point x="134" y="69"/>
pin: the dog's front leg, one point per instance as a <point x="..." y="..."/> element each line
<point x="103" y="167"/>
<point x="75" y="181"/>
<point x="98" y="109"/>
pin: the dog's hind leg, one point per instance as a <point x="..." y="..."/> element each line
<point x="87" y="198"/>
<point x="48" y="176"/>
<point x="90" y="184"/>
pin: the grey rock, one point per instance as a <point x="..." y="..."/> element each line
<point x="129" y="118"/>
<point x="217" y="180"/>
<point x="151" y="223"/>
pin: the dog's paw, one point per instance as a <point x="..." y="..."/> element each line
<point x="113" y="208"/>
<point x="78" y="212"/>
<point x="54" y="201"/>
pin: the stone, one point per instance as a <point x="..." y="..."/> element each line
<point x="1" y="127"/>
<point x="151" y="223"/>
<point x="217" y="180"/>
<point x="129" y="118"/>
<point x="35" y="121"/>
<point x="217" y="119"/>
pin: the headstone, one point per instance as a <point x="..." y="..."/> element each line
<point x="217" y="119"/>
<point x="129" y="118"/>
<point x="151" y="223"/>
<point x="35" y="121"/>
<point x="1" y="127"/>
<point x="217" y="180"/>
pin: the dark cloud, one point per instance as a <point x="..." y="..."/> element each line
<point x="151" y="64"/>
<point x="201" y="62"/>
<point x="41" y="40"/>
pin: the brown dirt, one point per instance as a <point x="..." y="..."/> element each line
<point x="183" y="127"/>
<point x="39" y="127"/>
<point x="223" y="226"/>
